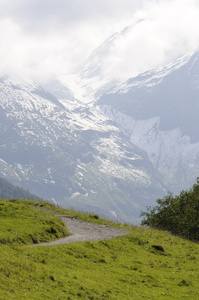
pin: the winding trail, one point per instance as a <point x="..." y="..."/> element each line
<point x="82" y="231"/>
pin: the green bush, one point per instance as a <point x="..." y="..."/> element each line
<point x="177" y="214"/>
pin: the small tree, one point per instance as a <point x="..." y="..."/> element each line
<point x="177" y="214"/>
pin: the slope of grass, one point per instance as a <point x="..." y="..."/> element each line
<point x="127" y="267"/>
<point x="23" y="224"/>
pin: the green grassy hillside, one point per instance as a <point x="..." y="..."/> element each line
<point x="127" y="267"/>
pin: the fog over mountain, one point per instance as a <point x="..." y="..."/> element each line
<point x="41" y="39"/>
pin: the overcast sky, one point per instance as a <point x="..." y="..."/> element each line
<point x="41" y="38"/>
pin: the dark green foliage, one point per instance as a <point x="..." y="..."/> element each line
<point x="9" y="191"/>
<point x="177" y="214"/>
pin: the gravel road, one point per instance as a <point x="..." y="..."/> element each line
<point x="81" y="231"/>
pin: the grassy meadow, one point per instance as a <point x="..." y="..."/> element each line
<point x="127" y="267"/>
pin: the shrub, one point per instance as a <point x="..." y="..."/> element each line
<point x="177" y="214"/>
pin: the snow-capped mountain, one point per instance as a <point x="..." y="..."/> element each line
<point x="97" y="145"/>
<point x="61" y="149"/>
<point x="158" y="111"/>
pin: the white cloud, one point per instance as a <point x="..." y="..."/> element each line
<point x="40" y="38"/>
<point x="170" y="29"/>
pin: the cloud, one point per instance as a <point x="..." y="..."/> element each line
<point x="170" y="29"/>
<point x="41" y="38"/>
<point x="43" y="14"/>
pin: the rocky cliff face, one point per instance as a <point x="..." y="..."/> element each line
<point x="158" y="110"/>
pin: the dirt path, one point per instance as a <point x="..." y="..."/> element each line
<point x="82" y="231"/>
